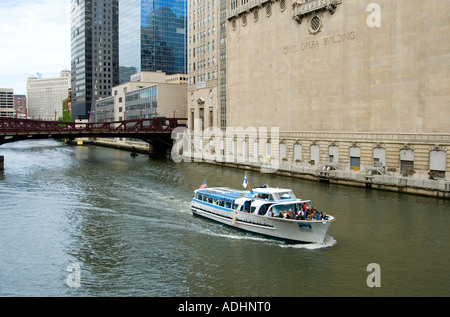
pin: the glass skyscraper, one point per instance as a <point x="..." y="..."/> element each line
<point x="95" y="59"/>
<point x="152" y="37"/>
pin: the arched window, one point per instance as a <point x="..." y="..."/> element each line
<point x="406" y="161"/>
<point x="355" y="158"/>
<point x="283" y="154"/>
<point x="298" y="149"/>
<point x="379" y="156"/>
<point x="438" y="160"/>
<point x="333" y="154"/>
<point x="315" y="154"/>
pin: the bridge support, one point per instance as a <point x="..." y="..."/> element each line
<point x="2" y="162"/>
<point x="159" y="146"/>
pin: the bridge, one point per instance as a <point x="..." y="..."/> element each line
<point x="156" y="131"/>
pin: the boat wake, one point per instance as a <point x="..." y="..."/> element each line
<point x="329" y="241"/>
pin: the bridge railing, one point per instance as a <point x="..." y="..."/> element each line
<point x="14" y="125"/>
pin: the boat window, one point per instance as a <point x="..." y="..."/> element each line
<point x="286" y="195"/>
<point x="247" y="206"/>
<point x="283" y="208"/>
<point x="263" y="209"/>
<point x="221" y="203"/>
<point x="264" y="196"/>
<point x="199" y="197"/>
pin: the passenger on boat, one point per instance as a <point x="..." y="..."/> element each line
<point x="291" y="214"/>
<point x="313" y="214"/>
<point x="302" y="215"/>
<point x="269" y="213"/>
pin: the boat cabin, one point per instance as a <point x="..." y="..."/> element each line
<point x="259" y="201"/>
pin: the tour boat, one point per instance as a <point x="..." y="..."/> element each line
<point x="272" y="212"/>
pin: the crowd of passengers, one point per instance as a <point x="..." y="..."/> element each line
<point x="305" y="213"/>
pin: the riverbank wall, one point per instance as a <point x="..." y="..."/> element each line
<point x="418" y="185"/>
<point x="401" y="184"/>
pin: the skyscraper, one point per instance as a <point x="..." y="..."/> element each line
<point x="152" y="37"/>
<point x="95" y="68"/>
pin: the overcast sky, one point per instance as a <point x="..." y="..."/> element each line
<point x="34" y="38"/>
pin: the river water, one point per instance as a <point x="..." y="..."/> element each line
<point x="93" y="221"/>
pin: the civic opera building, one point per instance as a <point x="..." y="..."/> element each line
<point x="358" y="89"/>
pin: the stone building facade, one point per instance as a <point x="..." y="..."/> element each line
<point x="352" y="85"/>
<point x="204" y="63"/>
<point x="342" y="90"/>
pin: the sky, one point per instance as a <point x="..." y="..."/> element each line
<point x="34" y="38"/>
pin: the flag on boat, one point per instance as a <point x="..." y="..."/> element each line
<point x="203" y="185"/>
<point x="245" y="183"/>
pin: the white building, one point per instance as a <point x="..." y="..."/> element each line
<point x="7" y="102"/>
<point x="45" y="96"/>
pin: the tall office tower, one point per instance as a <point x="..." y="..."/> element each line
<point x="152" y="37"/>
<point x="204" y="55"/>
<point x="95" y="68"/>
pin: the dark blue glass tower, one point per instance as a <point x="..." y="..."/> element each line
<point x="152" y="37"/>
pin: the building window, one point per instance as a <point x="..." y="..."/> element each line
<point x="315" y="155"/>
<point x="244" y="150"/>
<point x="268" y="149"/>
<point x="379" y="157"/>
<point x="333" y="154"/>
<point x="283" y="152"/>
<point x="355" y="158"/>
<point x="268" y="10"/>
<point x="316" y="24"/>
<point x="438" y="166"/>
<point x="406" y="162"/>
<point x="244" y="20"/>
<point x="255" y="151"/>
<point x="298" y="152"/>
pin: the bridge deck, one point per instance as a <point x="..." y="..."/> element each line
<point x="12" y="129"/>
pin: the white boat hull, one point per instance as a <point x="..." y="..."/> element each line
<point x="290" y="230"/>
